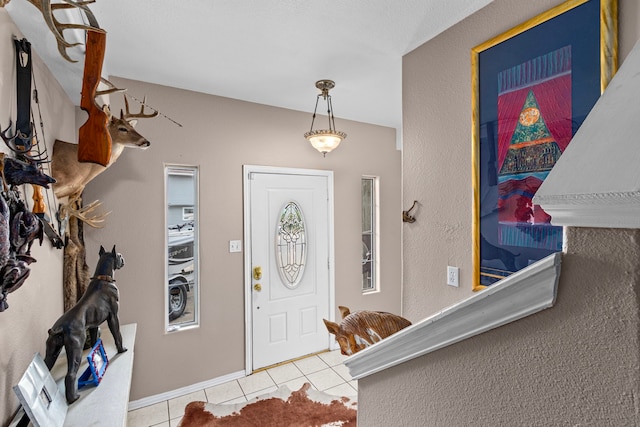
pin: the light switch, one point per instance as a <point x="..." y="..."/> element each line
<point x="235" y="245"/>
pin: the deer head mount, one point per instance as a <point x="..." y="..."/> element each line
<point x="72" y="176"/>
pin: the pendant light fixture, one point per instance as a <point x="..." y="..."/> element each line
<point x="325" y="140"/>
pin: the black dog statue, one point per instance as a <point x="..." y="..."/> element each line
<point x="99" y="303"/>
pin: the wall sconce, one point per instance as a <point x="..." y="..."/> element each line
<point x="325" y="140"/>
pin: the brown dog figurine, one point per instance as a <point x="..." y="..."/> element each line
<point x="99" y="303"/>
<point x="363" y="328"/>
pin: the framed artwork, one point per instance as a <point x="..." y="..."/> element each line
<point x="532" y="87"/>
<point x="98" y="362"/>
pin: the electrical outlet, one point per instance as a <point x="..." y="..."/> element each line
<point x="453" y="274"/>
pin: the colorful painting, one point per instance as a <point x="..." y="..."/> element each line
<point x="534" y="102"/>
<point x="533" y="87"/>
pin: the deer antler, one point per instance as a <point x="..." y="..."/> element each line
<point x="57" y="27"/>
<point x="26" y="149"/>
<point x="128" y="116"/>
<point x="112" y="88"/>
<point x="85" y="213"/>
<point x="10" y="140"/>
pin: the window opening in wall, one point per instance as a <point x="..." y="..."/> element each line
<point x="181" y="216"/>
<point x="369" y="234"/>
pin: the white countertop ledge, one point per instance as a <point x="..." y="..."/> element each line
<point x="526" y="292"/>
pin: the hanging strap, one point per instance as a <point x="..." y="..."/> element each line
<point x="24" y="130"/>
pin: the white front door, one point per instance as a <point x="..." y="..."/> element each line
<point x="289" y="244"/>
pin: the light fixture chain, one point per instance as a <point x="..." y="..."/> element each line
<point x="332" y="120"/>
<point x="313" y="119"/>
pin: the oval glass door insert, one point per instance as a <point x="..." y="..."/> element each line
<point x="291" y="245"/>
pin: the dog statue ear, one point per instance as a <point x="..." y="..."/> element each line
<point x="113" y="251"/>
<point x="101" y="251"/>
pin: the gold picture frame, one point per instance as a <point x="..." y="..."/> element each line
<point x="581" y="36"/>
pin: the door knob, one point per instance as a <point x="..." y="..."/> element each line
<point x="257" y="287"/>
<point x="257" y="273"/>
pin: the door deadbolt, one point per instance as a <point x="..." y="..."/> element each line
<point x="257" y="273"/>
<point x="257" y="287"/>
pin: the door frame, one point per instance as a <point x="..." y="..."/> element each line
<point x="248" y="306"/>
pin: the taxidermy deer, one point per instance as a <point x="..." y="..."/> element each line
<point x="72" y="176"/>
<point x="363" y="328"/>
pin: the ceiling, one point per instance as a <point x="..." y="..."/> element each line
<point x="264" y="51"/>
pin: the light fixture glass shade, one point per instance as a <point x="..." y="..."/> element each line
<point x="325" y="141"/>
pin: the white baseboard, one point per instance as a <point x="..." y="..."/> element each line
<point x="151" y="400"/>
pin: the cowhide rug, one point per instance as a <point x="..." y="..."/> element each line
<point x="282" y="408"/>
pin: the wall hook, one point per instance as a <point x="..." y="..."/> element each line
<point x="405" y="214"/>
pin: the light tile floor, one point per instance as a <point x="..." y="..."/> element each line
<point x="325" y="372"/>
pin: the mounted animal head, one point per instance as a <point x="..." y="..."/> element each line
<point x="122" y="129"/>
<point x="72" y="176"/>
<point x="363" y="328"/>
<point x="17" y="172"/>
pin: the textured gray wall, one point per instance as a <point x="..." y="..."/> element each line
<point x="574" y="364"/>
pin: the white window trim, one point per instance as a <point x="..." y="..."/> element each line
<point x="376" y="235"/>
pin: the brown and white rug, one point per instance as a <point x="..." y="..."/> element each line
<point x="283" y="408"/>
